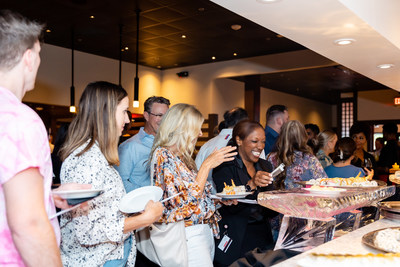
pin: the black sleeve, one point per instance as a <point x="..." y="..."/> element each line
<point x="224" y="174"/>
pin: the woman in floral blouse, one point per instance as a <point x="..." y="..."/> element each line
<point x="292" y="150"/>
<point x="174" y="170"/>
<point x="101" y="234"/>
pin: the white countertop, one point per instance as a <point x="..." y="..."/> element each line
<point x="346" y="244"/>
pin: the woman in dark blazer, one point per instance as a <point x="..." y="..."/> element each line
<point x="244" y="227"/>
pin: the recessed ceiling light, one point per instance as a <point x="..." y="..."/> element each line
<point x="267" y="1"/>
<point x="126" y="48"/>
<point x="344" y="41"/>
<point x="386" y="66"/>
<point x="349" y="25"/>
<point x="183" y="36"/>
<point x="48" y="30"/>
<point x="236" y="27"/>
<point x="212" y="58"/>
<point x="92" y="17"/>
<point x="234" y="54"/>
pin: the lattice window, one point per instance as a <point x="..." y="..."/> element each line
<point x="347" y="118"/>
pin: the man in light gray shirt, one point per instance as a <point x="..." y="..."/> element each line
<point x="231" y="117"/>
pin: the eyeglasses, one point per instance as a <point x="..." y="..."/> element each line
<point x="156" y="115"/>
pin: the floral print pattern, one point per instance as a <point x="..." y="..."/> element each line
<point x="192" y="206"/>
<point x="305" y="167"/>
<point x="92" y="237"/>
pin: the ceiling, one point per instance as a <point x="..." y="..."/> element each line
<point x="207" y="27"/>
<point x="372" y="24"/>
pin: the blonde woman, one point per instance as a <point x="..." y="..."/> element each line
<point x="101" y="235"/>
<point x="175" y="171"/>
<point x="326" y="142"/>
<point x="292" y="150"/>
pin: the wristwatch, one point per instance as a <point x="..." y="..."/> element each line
<point x="248" y="188"/>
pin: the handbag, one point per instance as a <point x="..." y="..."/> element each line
<point x="164" y="244"/>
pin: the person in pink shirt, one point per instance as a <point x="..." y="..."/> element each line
<point x="27" y="236"/>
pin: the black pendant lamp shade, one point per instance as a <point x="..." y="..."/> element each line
<point x="136" y="85"/>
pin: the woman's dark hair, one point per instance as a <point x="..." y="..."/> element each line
<point x="243" y="129"/>
<point x="344" y="149"/>
<point x="360" y="127"/>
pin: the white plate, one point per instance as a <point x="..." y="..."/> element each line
<point x="74" y="194"/>
<point x="325" y="192"/>
<point x="137" y="199"/>
<point x="243" y="195"/>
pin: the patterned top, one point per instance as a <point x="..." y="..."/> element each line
<point x="90" y="238"/>
<point x="193" y="206"/>
<point x="324" y="159"/>
<point x="24" y="144"/>
<point x="305" y="167"/>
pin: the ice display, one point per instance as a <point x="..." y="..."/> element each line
<point x="319" y="205"/>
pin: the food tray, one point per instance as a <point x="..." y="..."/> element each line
<point x="379" y="182"/>
<point x="369" y="238"/>
<point x="301" y="203"/>
<point x="390" y="210"/>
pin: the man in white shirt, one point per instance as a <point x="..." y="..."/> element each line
<point x="231" y="117"/>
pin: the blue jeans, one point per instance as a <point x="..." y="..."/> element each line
<point x="121" y="262"/>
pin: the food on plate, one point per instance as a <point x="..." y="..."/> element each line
<point x="352" y="181"/>
<point x="395" y="166"/>
<point x="395" y="178"/>
<point x="324" y="188"/>
<point x="365" y="260"/>
<point x="233" y="189"/>
<point x="388" y="240"/>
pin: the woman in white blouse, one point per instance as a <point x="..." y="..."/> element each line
<point x="101" y="234"/>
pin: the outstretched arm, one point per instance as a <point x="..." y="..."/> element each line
<point x="30" y="227"/>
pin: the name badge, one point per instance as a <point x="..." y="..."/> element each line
<point x="226" y="241"/>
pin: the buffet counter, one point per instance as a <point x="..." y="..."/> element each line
<point x="347" y="244"/>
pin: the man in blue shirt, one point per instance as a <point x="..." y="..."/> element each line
<point x="134" y="152"/>
<point x="277" y="115"/>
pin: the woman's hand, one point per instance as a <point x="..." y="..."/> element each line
<point x="261" y="179"/>
<point x="61" y="203"/>
<point x="219" y="156"/>
<point x="153" y="211"/>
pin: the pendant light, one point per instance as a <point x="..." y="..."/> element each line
<point x="136" y="86"/>
<point x="120" y="53"/>
<point x="72" y="107"/>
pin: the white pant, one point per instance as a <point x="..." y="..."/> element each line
<point x="200" y="244"/>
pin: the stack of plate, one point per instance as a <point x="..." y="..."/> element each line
<point x="390" y="210"/>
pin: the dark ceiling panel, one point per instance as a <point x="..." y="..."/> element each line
<point x="206" y="25"/>
<point x="320" y="84"/>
